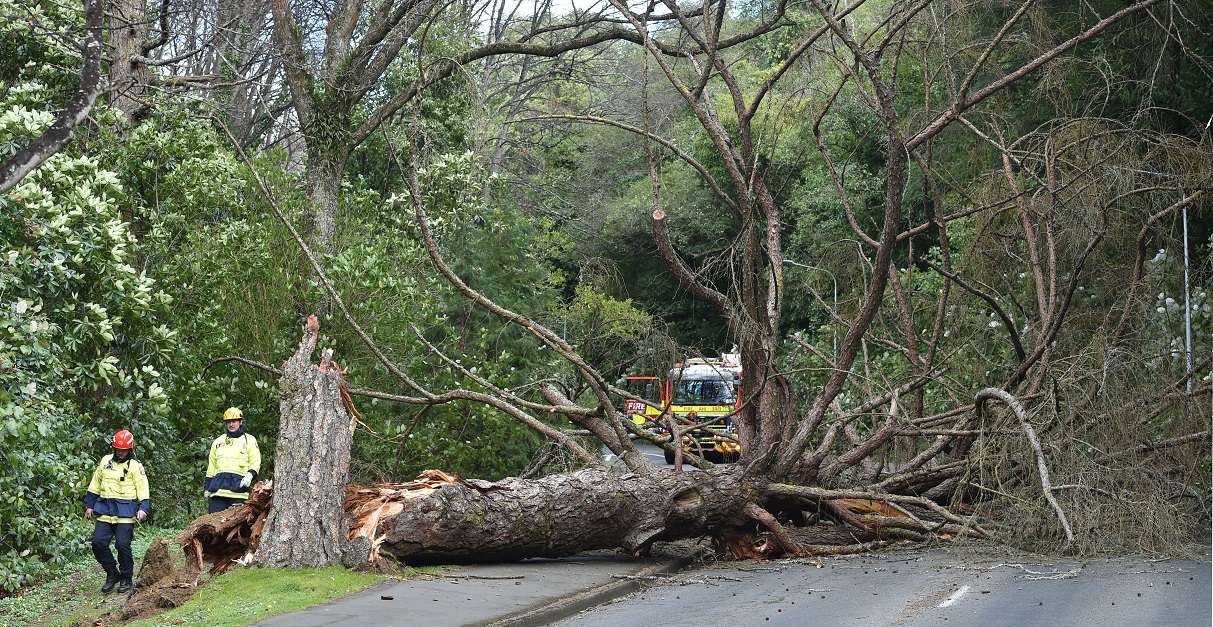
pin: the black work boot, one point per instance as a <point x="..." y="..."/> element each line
<point x="125" y="586"/>
<point x="111" y="577"/>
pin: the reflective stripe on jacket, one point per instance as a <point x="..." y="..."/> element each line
<point x="118" y="490"/>
<point x="230" y="459"/>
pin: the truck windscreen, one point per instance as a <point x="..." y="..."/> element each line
<point x="704" y="392"/>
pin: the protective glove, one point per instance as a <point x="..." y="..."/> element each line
<point x="247" y="480"/>
<point x="207" y="493"/>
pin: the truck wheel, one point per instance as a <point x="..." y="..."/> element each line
<point x="669" y="458"/>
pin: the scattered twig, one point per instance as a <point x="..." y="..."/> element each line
<point x="1043" y="576"/>
<point x="446" y="576"/>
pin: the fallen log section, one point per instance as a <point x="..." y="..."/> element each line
<point x="230" y="538"/>
<point x="440" y="518"/>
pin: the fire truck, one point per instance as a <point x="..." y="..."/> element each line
<point x="700" y="391"/>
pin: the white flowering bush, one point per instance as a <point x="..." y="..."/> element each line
<point x="80" y="350"/>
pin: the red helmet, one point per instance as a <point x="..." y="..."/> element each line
<point x="124" y="439"/>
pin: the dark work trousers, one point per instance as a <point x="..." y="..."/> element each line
<point x="220" y="503"/>
<point x="103" y="533"/>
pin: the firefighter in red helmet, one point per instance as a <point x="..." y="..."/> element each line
<point x="117" y="497"/>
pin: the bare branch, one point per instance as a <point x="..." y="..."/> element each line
<point x="1045" y="485"/>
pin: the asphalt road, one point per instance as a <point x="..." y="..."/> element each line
<point x="953" y="587"/>
<point x="655" y="454"/>
<point x="520" y="594"/>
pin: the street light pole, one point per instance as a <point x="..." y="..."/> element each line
<point x="1187" y="306"/>
<point x="833" y="321"/>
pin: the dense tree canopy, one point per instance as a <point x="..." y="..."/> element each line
<point x="952" y="243"/>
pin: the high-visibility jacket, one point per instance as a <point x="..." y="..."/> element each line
<point x="231" y="459"/>
<point x="118" y="490"/>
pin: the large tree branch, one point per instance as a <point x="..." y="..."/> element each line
<point x="298" y="76"/>
<point x="60" y="132"/>
<point x="372" y="57"/>
<point x="896" y="167"/>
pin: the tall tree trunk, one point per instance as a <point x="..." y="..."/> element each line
<point x="324" y="190"/>
<point x="324" y="171"/>
<point x="129" y="74"/>
<point x="306" y="526"/>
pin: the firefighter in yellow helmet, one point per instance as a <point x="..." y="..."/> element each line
<point x="233" y="464"/>
<point x="118" y="496"/>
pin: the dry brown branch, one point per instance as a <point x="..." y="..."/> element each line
<point x="1150" y="447"/>
<point x="861" y="499"/>
<point x="786" y="543"/>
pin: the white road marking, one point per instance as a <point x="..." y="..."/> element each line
<point x="955" y="597"/>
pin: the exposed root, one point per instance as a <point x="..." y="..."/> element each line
<point x="226" y="538"/>
<point x="160" y="586"/>
<point x="230" y="538"/>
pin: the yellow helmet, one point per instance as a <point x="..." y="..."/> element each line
<point x="233" y="413"/>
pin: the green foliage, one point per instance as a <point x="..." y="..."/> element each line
<point x="20" y="123"/>
<point x="83" y="349"/>
<point x="388" y="278"/>
<point x="43" y="462"/>
<point x="31" y="60"/>
<point x="93" y="344"/>
<point x="233" y="277"/>
<point x="72" y="597"/>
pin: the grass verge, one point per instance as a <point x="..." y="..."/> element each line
<point x="239" y="597"/>
<point x="246" y="595"/>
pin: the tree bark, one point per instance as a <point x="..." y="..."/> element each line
<point x="129" y="75"/>
<point x="442" y="519"/>
<point x="306" y="526"/>
<point x="561" y="515"/>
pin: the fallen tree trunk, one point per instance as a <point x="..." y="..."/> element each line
<point x="560" y="515"/>
<point x="443" y="519"/>
<point x="307" y="516"/>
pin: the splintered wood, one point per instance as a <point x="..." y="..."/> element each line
<point x="228" y="538"/>
<point x="371" y="506"/>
